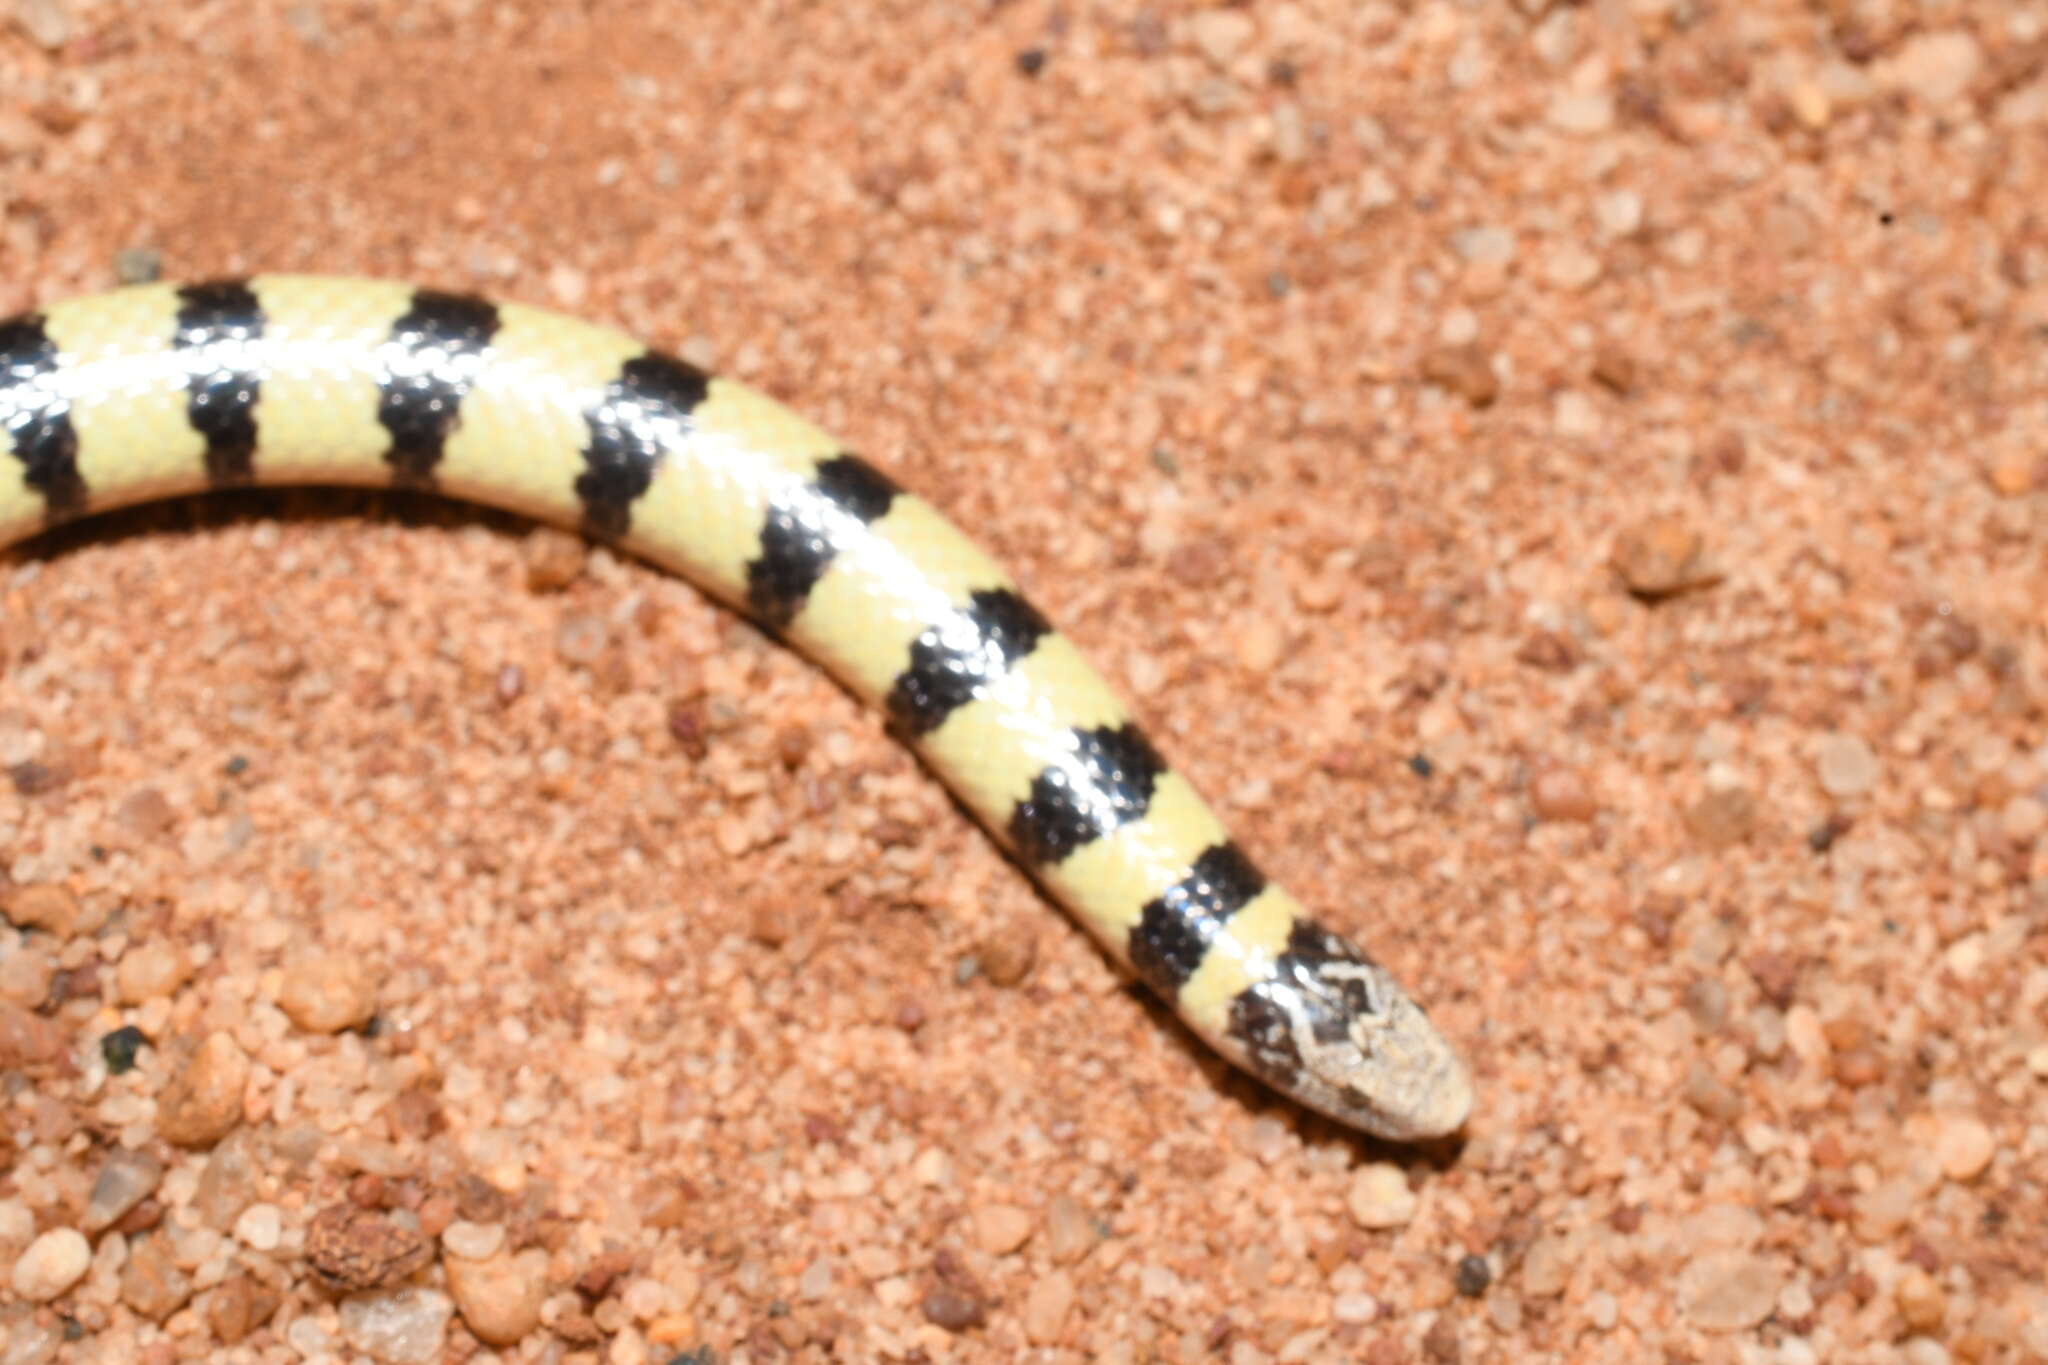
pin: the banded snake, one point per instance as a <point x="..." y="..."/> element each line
<point x="156" y="390"/>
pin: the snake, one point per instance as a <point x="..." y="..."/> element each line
<point x="162" y="389"/>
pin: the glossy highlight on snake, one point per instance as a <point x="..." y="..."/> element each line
<point x="159" y="389"/>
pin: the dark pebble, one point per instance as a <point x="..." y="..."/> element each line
<point x="1473" y="1276"/>
<point x="120" y="1046"/>
<point x="478" y="1200"/>
<point x="686" y="726"/>
<point x="1421" y="766"/>
<point x="1031" y="60"/>
<point x="1823" y="836"/>
<point x="33" y="779"/>
<point x="954" y="1309"/>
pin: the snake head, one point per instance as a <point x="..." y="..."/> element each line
<point x="1330" y="1028"/>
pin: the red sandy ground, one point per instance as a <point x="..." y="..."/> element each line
<point x="1330" y="371"/>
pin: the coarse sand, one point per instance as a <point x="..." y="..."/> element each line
<point x="1567" y="480"/>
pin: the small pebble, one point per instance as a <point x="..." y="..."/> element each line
<point x="581" y="639"/>
<point x="1320" y="593"/>
<point x="34" y="779"/>
<point x="473" y="1241"/>
<point x="1722" y="1224"/>
<point x="500" y="1297"/>
<point x="27" y="1039"/>
<point x="398" y="1326"/>
<point x="1259" y="646"/>
<point x="239" y="1307"/>
<point x="1569" y="266"/>
<point x="1046" y="1306"/>
<point x="45" y="906"/>
<point x="1379" y="1196"/>
<point x="203" y="1102"/>
<point x="1722" y="818"/>
<point x="772" y="925"/>
<point x="2015" y="473"/>
<point x="1440" y="1342"/>
<point x="1068" y="1233"/>
<point x="1582" y="112"/>
<point x="1922" y="1304"/>
<point x="1727" y="1290"/>
<point x="328" y="992"/>
<point x="1546" y="1267"/>
<point x="567" y="285"/>
<point x="1810" y="105"/>
<point x="48" y="23"/>
<point x="260" y="1227"/>
<point x="1559" y="793"/>
<point x="354" y="1249"/>
<point x="1706" y="1000"/>
<point x="1354" y="1308"/>
<point x="1220" y="34"/>
<point x="17" y="1224"/>
<point x="1614" y="369"/>
<point x="2023" y="819"/>
<point x="1465" y="370"/>
<point x="554" y="559"/>
<point x="152" y="1283"/>
<point x="1936" y="67"/>
<point x="477" y="1200"/>
<point x="125" y="1180"/>
<point x="146" y="813"/>
<point x="1006" y="957"/>
<point x="308" y="1337"/>
<point x="1484" y="244"/>
<point x="52" y="1264"/>
<point x="1548" y="650"/>
<point x="645" y="1298"/>
<point x="26" y="974"/>
<point x="1846" y="766"/>
<point x="1661" y="557"/>
<point x="1473" y="1275"/>
<point x="1710" y="1095"/>
<point x="1886" y="1207"/>
<point x="953" y="1308"/>
<point x="151" y="970"/>
<point x="227" y="1184"/>
<point x="1924" y="1351"/>
<point x="1000" y="1229"/>
<point x="1963" y="1146"/>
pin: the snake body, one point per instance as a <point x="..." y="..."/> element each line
<point x="161" y="389"/>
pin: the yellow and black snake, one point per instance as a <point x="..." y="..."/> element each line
<point x="288" y="379"/>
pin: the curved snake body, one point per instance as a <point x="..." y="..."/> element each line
<point x="159" y="389"/>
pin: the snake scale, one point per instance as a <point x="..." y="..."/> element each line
<point x="160" y="389"/>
